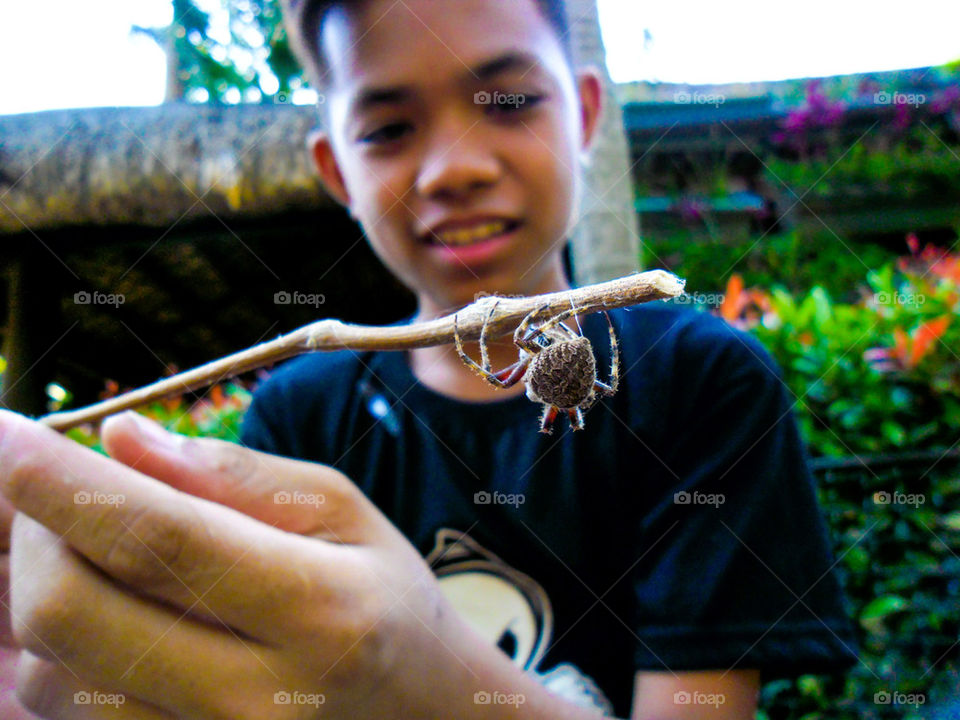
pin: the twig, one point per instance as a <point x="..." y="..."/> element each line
<point x="336" y="335"/>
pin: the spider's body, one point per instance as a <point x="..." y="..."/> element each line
<point x="556" y="364"/>
<point x="562" y="374"/>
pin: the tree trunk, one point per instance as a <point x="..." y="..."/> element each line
<point x="606" y="241"/>
<point x="32" y="331"/>
<point x="175" y="91"/>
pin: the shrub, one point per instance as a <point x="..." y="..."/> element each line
<point x="878" y="375"/>
<point x="218" y="413"/>
<point x="793" y="260"/>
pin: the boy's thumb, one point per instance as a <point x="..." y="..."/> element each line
<point x="293" y="495"/>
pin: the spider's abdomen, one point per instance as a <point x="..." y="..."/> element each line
<point x="562" y="374"/>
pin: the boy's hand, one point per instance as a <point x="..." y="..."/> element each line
<point x="10" y="707"/>
<point x="269" y="587"/>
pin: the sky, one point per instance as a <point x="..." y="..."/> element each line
<point x="87" y="57"/>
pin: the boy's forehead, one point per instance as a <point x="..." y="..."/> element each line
<point x="418" y="42"/>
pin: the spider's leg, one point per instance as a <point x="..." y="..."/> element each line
<point x="508" y="377"/>
<point x="484" y="353"/>
<point x="520" y="335"/>
<point x="546" y="420"/>
<point x="549" y="324"/>
<point x="567" y="329"/>
<point x="577" y="318"/>
<point x="576" y="418"/>
<point x="511" y="375"/>
<point x="469" y="361"/>
<point x="602" y="388"/>
<point x="614" y="362"/>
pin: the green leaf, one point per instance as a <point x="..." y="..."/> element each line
<point x="901" y="397"/>
<point x="823" y="308"/>
<point x="879" y="608"/>
<point x="881" y="280"/>
<point x="809" y="685"/>
<point x="951" y="521"/>
<point x="893" y="432"/>
<point x="858" y="559"/>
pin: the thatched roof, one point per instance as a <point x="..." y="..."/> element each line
<point x="154" y="166"/>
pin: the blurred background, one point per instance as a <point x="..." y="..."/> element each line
<point x="798" y="165"/>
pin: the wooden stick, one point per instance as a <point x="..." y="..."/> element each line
<point x="336" y="335"/>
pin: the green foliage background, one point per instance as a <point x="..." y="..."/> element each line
<point x="231" y="51"/>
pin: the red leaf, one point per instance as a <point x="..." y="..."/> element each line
<point x="901" y="345"/>
<point x="924" y="337"/>
<point x="913" y="242"/>
<point x="733" y="300"/>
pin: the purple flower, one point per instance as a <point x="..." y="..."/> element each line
<point x="691" y="210"/>
<point x="945" y="99"/>
<point x="902" y="115"/>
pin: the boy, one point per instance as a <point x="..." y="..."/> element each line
<point x="459" y="196"/>
<point x="653" y="563"/>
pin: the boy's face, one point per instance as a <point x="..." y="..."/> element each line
<point x="456" y="195"/>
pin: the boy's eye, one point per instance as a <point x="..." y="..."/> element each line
<point x="495" y="103"/>
<point x="511" y="103"/>
<point x="385" y="134"/>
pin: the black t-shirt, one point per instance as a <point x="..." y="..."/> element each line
<point x="678" y="531"/>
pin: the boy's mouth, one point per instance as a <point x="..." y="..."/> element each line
<point x="466" y="235"/>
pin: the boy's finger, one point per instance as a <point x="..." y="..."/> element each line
<point x="114" y="640"/>
<point x="6" y="634"/>
<point x="51" y="692"/>
<point x="7" y="511"/>
<point x="167" y="544"/>
<point x="293" y="495"/>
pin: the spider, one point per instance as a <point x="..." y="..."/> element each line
<point x="556" y="364"/>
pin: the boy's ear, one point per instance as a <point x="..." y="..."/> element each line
<point x="590" y="87"/>
<point x="321" y="150"/>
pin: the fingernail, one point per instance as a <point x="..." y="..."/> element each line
<point x="152" y="432"/>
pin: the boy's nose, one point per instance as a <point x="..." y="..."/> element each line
<point x="458" y="166"/>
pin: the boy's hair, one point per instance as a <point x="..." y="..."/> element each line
<point x="304" y="18"/>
